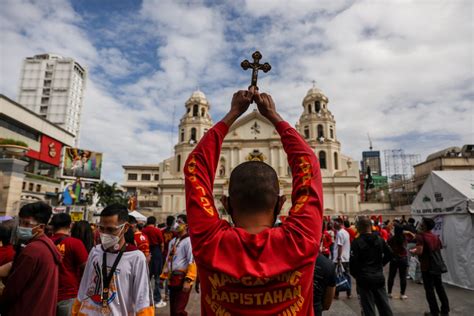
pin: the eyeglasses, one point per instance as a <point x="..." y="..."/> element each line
<point x="24" y="223"/>
<point x="111" y="230"/>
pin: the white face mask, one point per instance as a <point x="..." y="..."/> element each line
<point x="109" y="241"/>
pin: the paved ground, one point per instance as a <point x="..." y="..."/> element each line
<point x="461" y="302"/>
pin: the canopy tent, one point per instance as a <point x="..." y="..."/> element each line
<point x="448" y="198"/>
<point x="138" y="216"/>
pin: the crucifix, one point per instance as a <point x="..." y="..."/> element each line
<point x="256" y="66"/>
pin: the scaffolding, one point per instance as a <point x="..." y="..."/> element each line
<point x="398" y="165"/>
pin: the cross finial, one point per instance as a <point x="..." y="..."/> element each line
<point x="314" y="83"/>
<point x="256" y="66"/>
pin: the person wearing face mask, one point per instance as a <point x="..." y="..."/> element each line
<point x="115" y="280"/>
<point x="180" y="269"/>
<point x="32" y="286"/>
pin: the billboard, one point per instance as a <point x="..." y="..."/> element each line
<point x="81" y="163"/>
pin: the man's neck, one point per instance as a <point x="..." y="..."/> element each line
<point x="63" y="231"/>
<point x="254" y="224"/>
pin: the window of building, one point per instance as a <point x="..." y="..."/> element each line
<point x="132" y="177"/>
<point x="181" y="137"/>
<point x="38" y="188"/>
<point x="203" y="111"/>
<point x="320" y="131"/>
<point x="44" y="100"/>
<point x="157" y="177"/>
<point x="43" y="109"/>
<point x="310" y="109"/>
<point x="146" y="177"/>
<point x="178" y="163"/>
<point x="195" y="110"/>
<point x="306" y="132"/>
<point x="18" y="127"/>
<point x="193" y="134"/>
<point x="317" y="106"/>
<point x="322" y="159"/>
<point x="23" y="186"/>
<point x="30" y="187"/>
<point x="331" y="132"/>
<point x="336" y="162"/>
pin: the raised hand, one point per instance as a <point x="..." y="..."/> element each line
<point x="241" y="101"/>
<point x="266" y="106"/>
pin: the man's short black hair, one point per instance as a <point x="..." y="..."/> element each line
<point x="61" y="220"/>
<point x="183" y="217"/>
<point x="363" y="224"/>
<point x="40" y="211"/>
<point x="347" y="224"/>
<point x="411" y="220"/>
<point x="5" y="233"/>
<point x="429" y="223"/>
<point x="151" y="220"/>
<point x="253" y="187"/>
<point x="132" y="220"/>
<point x="339" y="221"/>
<point x="170" y="220"/>
<point x="116" y="209"/>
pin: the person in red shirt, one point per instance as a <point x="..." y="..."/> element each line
<point x="140" y="239"/>
<point x="326" y="242"/>
<point x="7" y="253"/>
<point x="74" y="255"/>
<point x="254" y="268"/>
<point x="32" y="286"/>
<point x="168" y="233"/>
<point x="155" y="238"/>
<point x="350" y="231"/>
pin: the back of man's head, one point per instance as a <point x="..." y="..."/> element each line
<point x="170" y="220"/>
<point x="347" y="224"/>
<point x="61" y="220"/>
<point x="116" y="209"/>
<point x="151" y="220"/>
<point x="5" y="233"/>
<point x="39" y="211"/>
<point x="132" y="220"/>
<point x="253" y="187"/>
<point x="364" y="225"/>
<point x="429" y="223"/>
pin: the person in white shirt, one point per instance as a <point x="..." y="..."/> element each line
<point x="180" y="269"/>
<point x="342" y="251"/>
<point x="115" y="280"/>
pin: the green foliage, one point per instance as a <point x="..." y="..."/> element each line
<point x="9" y="141"/>
<point x="108" y="194"/>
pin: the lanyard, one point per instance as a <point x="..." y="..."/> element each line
<point x="107" y="277"/>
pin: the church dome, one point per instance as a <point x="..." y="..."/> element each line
<point x="315" y="93"/>
<point x="198" y="95"/>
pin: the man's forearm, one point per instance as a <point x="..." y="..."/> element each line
<point x="339" y="251"/>
<point x="230" y="118"/>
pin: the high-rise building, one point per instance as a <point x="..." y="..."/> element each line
<point x="372" y="159"/>
<point x="53" y="86"/>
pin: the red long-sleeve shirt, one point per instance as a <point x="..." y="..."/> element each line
<point x="269" y="273"/>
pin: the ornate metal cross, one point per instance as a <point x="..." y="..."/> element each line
<point x="256" y="66"/>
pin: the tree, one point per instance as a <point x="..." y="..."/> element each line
<point x="108" y="194"/>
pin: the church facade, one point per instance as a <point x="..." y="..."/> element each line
<point x="253" y="137"/>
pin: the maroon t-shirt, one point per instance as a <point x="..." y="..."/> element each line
<point x="74" y="256"/>
<point x="430" y="242"/>
<point x="155" y="236"/>
<point x="32" y="287"/>
<point x="7" y="253"/>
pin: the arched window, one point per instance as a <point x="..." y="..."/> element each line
<point x="310" y="109"/>
<point x="320" y="131"/>
<point x="193" y="134"/>
<point x="322" y="159"/>
<point x="306" y="132"/>
<point x="182" y="135"/>
<point x="317" y="106"/>
<point x="336" y="162"/>
<point x="331" y="132"/>
<point x="195" y="110"/>
<point x="178" y="163"/>
<point x="203" y="111"/>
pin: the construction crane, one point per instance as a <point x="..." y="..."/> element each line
<point x="370" y="141"/>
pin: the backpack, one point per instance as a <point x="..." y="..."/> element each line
<point x="437" y="265"/>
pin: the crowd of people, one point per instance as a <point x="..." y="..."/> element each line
<point x="250" y="266"/>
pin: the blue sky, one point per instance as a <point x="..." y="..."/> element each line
<point x="399" y="70"/>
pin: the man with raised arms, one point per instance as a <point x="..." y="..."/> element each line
<point x="254" y="268"/>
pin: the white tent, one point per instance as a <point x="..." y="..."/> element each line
<point x="138" y="216"/>
<point x="448" y="198"/>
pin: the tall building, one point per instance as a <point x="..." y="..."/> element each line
<point x="253" y="137"/>
<point x="372" y="159"/>
<point x="53" y="86"/>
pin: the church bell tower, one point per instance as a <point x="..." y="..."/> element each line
<point x="193" y="125"/>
